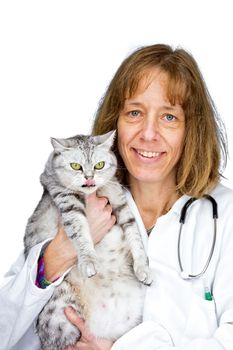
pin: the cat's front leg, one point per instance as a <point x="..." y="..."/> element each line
<point x="77" y="228"/>
<point x="126" y="221"/>
<point x="134" y="240"/>
<point x="72" y="211"/>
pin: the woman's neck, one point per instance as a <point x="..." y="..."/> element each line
<point x="153" y="200"/>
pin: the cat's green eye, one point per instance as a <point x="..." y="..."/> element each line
<point x="75" y="166"/>
<point x="99" y="165"/>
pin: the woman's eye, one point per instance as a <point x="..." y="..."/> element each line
<point x="99" y="165"/>
<point x="169" y="117"/>
<point x="75" y="166"/>
<point x="134" y="113"/>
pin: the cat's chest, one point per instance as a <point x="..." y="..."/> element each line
<point x="113" y="250"/>
<point x="114" y="238"/>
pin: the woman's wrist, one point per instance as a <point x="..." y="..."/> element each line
<point x="55" y="267"/>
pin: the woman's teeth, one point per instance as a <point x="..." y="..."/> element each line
<point x="149" y="154"/>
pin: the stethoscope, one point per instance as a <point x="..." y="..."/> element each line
<point x="184" y="274"/>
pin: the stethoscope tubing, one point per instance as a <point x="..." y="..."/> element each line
<point x="185" y="275"/>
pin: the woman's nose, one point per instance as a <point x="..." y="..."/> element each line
<point x="150" y="129"/>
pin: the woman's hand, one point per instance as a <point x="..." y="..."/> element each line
<point x="60" y="253"/>
<point x="87" y="340"/>
<point x="99" y="216"/>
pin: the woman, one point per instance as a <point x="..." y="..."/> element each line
<point x="170" y="146"/>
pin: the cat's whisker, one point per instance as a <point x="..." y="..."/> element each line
<point x="71" y="184"/>
<point x="108" y="185"/>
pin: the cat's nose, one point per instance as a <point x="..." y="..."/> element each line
<point x="87" y="177"/>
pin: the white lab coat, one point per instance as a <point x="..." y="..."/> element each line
<point x="176" y="314"/>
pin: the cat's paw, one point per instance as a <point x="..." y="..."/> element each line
<point x="143" y="274"/>
<point x="88" y="266"/>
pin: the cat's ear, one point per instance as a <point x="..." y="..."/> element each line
<point x="58" y="145"/>
<point x="105" y="140"/>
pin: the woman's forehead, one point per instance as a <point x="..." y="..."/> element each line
<point x="174" y="87"/>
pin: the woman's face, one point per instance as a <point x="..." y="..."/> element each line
<point x="151" y="132"/>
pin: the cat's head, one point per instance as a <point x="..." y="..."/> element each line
<point x="84" y="163"/>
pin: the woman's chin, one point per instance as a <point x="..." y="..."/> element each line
<point x="144" y="177"/>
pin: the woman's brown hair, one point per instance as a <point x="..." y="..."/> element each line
<point x="205" y="146"/>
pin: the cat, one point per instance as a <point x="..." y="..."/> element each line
<point x="107" y="285"/>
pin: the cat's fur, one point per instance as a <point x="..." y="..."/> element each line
<point x="111" y="300"/>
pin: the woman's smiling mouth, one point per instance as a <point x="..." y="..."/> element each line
<point x="148" y="154"/>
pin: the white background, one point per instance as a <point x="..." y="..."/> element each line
<point x="56" y="60"/>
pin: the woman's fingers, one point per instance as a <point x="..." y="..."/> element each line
<point x="93" y="201"/>
<point x="77" y="321"/>
<point x="73" y="317"/>
<point x="99" y="215"/>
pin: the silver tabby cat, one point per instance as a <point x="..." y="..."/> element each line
<point x="105" y="287"/>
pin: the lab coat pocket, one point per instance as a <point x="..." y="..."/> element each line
<point x="202" y="321"/>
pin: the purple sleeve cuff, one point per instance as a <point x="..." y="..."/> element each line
<point x="41" y="281"/>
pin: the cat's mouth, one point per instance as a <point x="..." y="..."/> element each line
<point x="89" y="182"/>
<point x="88" y="188"/>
